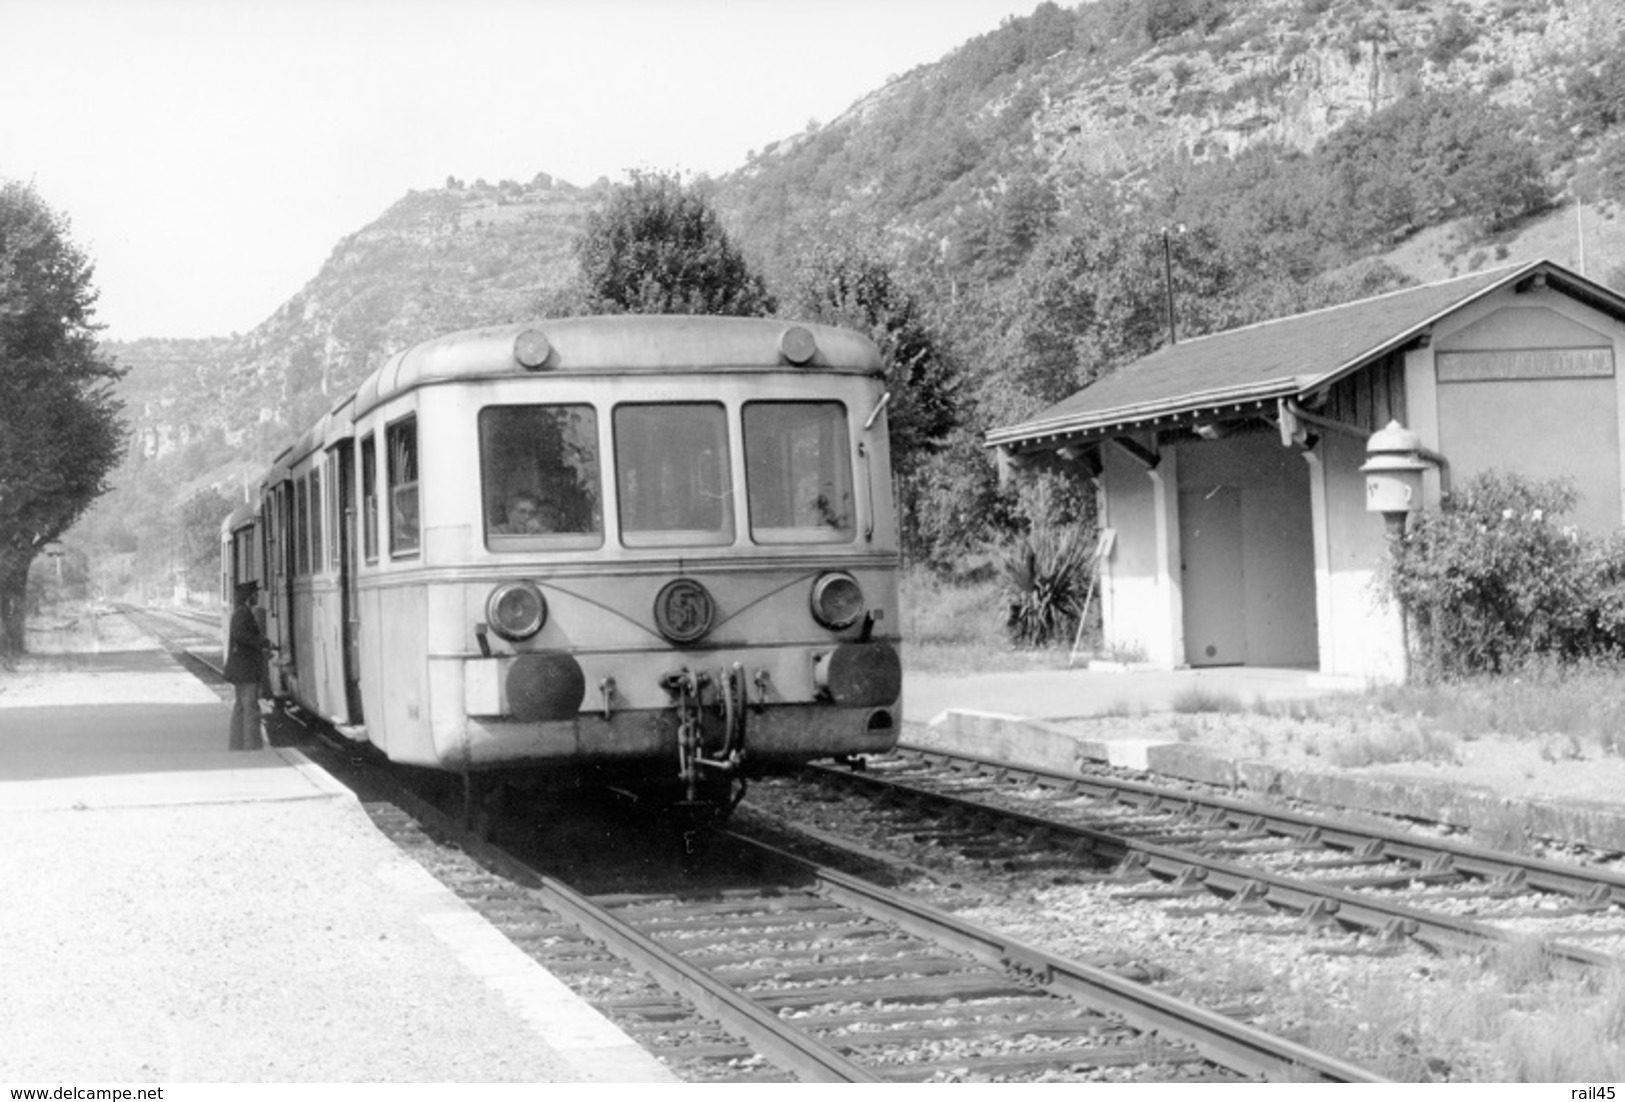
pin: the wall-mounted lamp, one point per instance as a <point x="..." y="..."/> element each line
<point x="1393" y="473"/>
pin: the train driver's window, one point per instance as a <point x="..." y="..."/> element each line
<point x="401" y="439"/>
<point x="798" y="472"/>
<point x="539" y="477"/>
<point x="672" y="474"/>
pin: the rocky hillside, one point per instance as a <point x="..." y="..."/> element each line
<point x="1119" y="89"/>
<point x="441" y="260"/>
<point x="933" y="165"/>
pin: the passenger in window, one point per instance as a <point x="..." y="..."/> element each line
<point x="526" y="515"/>
<point x="405" y="533"/>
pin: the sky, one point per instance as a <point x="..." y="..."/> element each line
<point x="210" y="153"/>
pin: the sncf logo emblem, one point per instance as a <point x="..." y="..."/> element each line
<point x="684" y="611"/>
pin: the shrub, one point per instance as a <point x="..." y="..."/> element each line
<point x="1452" y="35"/>
<point x="1046" y="575"/>
<point x="1491" y="581"/>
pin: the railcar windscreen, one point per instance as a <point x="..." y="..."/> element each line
<point x="540" y="479"/>
<point x="798" y="472"/>
<point x="671" y="474"/>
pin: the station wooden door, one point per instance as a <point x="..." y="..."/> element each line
<point x="1211" y="571"/>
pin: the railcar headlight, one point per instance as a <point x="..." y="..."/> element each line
<point x="837" y="601"/>
<point x="516" y="610"/>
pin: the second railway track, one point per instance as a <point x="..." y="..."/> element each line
<point x="1365" y="878"/>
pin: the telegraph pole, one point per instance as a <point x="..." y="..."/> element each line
<point x="1168" y="277"/>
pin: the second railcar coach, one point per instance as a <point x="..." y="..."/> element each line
<point x="660" y="549"/>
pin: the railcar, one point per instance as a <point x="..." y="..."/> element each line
<point x="651" y="550"/>
<point x="242" y="559"/>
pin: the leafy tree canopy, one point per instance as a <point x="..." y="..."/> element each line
<point x="60" y="431"/>
<point x="840" y="285"/>
<point x="658" y="247"/>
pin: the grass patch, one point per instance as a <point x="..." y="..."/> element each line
<point x="1547" y="1022"/>
<point x="1200" y="698"/>
<point x="1299" y="711"/>
<point x="959" y="628"/>
<point x="1569" y="708"/>
<point x="1404" y="744"/>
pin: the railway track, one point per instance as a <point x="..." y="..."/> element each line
<point x="769" y="966"/>
<point x="1365" y="879"/>
<point x="192" y="637"/>
<point x="833" y="978"/>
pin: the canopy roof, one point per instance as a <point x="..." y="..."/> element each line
<point x="1286" y="358"/>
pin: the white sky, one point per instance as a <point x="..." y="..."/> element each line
<point x="210" y="153"/>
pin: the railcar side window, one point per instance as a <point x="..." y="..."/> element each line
<point x="672" y="474"/>
<point x="316" y="521"/>
<point x="301" y="549"/>
<point x="335" y="512"/>
<point x="798" y="472"/>
<point x="401" y="439"/>
<point x="369" y="499"/>
<point x="539" y="476"/>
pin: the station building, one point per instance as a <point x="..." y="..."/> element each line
<point x="1228" y="473"/>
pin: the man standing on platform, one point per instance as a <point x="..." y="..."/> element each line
<point x="245" y="668"/>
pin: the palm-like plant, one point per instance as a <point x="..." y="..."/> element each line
<point x="1045" y="574"/>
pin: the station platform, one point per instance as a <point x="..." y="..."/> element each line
<point x="174" y="912"/>
<point x="1505" y="791"/>
<point x="1063" y="694"/>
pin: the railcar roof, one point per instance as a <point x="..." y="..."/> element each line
<point x="620" y="343"/>
<point x="243" y="514"/>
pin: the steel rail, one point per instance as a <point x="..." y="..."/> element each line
<point x="1255" y="885"/>
<point x="1225" y="1041"/>
<point x="796" y="1051"/>
<point x="1597" y="886"/>
<point x="167" y="639"/>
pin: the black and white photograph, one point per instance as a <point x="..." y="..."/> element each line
<point x="556" y="543"/>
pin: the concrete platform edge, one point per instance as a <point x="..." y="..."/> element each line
<point x="594" y="1046"/>
<point x="1494" y="819"/>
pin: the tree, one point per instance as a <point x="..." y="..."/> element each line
<point x="658" y="247"/>
<point x="60" y="429"/>
<point x="197" y="544"/>
<point x="842" y="285"/>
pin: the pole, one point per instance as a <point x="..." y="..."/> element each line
<point x="1580" y="230"/>
<point x="1395" y="523"/>
<point x="1168" y="277"/>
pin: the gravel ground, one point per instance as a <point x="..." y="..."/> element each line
<point x="1400" y="1010"/>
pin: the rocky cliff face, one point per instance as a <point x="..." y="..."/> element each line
<point x="1277" y="74"/>
<point x="462" y="256"/>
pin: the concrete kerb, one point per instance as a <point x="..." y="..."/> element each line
<point x="1495" y="819"/>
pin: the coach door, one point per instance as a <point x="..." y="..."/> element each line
<point x="278" y="517"/>
<point x="349" y="606"/>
